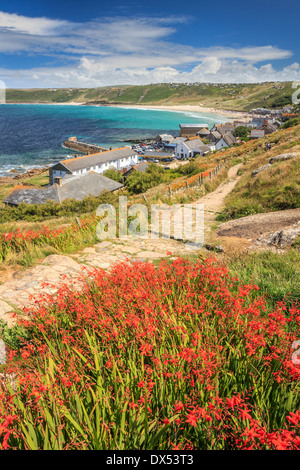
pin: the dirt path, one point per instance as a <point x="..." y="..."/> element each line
<point x="19" y="291"/>
<point x="213" y="202"/>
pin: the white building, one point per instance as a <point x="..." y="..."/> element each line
<point x="99" y="162"/>
<point x="225" y="141"/>
<point x="190" y="148"/>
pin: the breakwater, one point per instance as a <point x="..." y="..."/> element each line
<point x="83" y="147"/>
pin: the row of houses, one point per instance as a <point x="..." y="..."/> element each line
<point x="198" y="139"/>
<point x="98" y="162"/>
<point x="77" y="177"/>
<point x="218" y="137"/>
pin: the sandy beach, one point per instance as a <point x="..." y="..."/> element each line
<point x="243" y="116"/>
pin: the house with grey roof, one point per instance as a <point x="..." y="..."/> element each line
<point x="141" y="168"/>
<point x="223" y="128"/>
<point x="190" y="148"/>
<point x="176" y="140"/>
<point x="267" y="126"/>
<point x="99" y="162"/>
<point x="225" y="141"/>
<point x="213" y="136"/>
<point x="71" y="187"/>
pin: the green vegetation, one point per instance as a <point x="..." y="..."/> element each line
<point x="291" y="123"/>
<point x="35" y="212"/>
<point x="241" y="131"/>
<point x="241" y="97"/>
<point x="275" y="188"/>
<point x="139" y="182"/>
<point x="113" y="174"/>
<point x="276" y="275"/>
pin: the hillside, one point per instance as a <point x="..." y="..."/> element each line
<point x="240" y="97"/>
<point x="266" y="187"/>
<point x="141" y="343"/>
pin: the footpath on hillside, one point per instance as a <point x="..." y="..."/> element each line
<point x="19" y="291"/>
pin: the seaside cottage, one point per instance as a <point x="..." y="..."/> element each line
<point x="213" y="136"/>
<point x="225" y="141"/>
<point x="190" y="148"/>
<point x="223" y="128"/>
<point x="98" y="162"/>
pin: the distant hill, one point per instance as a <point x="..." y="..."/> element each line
<point x="240" y="97"/>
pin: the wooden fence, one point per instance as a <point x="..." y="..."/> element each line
<point x="195" y="179"/>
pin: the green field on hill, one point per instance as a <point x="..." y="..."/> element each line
<point x="240" y="97"/>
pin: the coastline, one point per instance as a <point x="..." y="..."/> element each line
<point x="241" y="115"/>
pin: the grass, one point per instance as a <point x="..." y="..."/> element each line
<point x="241" y="97"/>
<point x="277" y="275"/>
<point x="276" y="188"/>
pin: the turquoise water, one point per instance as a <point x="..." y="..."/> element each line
<point x="32" y="135"/>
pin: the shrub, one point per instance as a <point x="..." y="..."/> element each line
<point x="139" y="182"/>
<point x="113" y="174"/>
<point x="179" y="356"/>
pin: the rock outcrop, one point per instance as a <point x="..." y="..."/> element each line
<point x="277" y="158"/>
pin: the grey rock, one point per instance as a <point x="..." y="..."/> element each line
<point x="281" y="238"/>
<point x="261" y="168"/>
<point x="283" y="157"/>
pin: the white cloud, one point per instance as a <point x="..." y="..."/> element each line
<point x="32" y="26"/>
<point x="128" y="51"/>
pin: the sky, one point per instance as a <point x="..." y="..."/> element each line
<point x="47" y="44"/>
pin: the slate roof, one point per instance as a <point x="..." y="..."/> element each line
<point x="193" y="144"/>
<point x="213" y="136"/>
<point x="94" y="159"/>
<point x="31" y="195"/>
<point x="229" y="138"/>
<point x="224" y="128"/>
<point x="204" y="148"/>
<point x="141" y="167"/>
<point x="72" y="187"/>
<point x="90" y="184"/>
<point x="177" y="140"/>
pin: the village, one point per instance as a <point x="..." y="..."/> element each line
<point x="81" y="176"/>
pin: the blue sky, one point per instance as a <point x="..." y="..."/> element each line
<point x="97" y="43"/>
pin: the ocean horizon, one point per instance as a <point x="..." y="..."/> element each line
<point x="32" y="135"/>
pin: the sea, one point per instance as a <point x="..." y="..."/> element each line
<point x="32" y="135"/>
